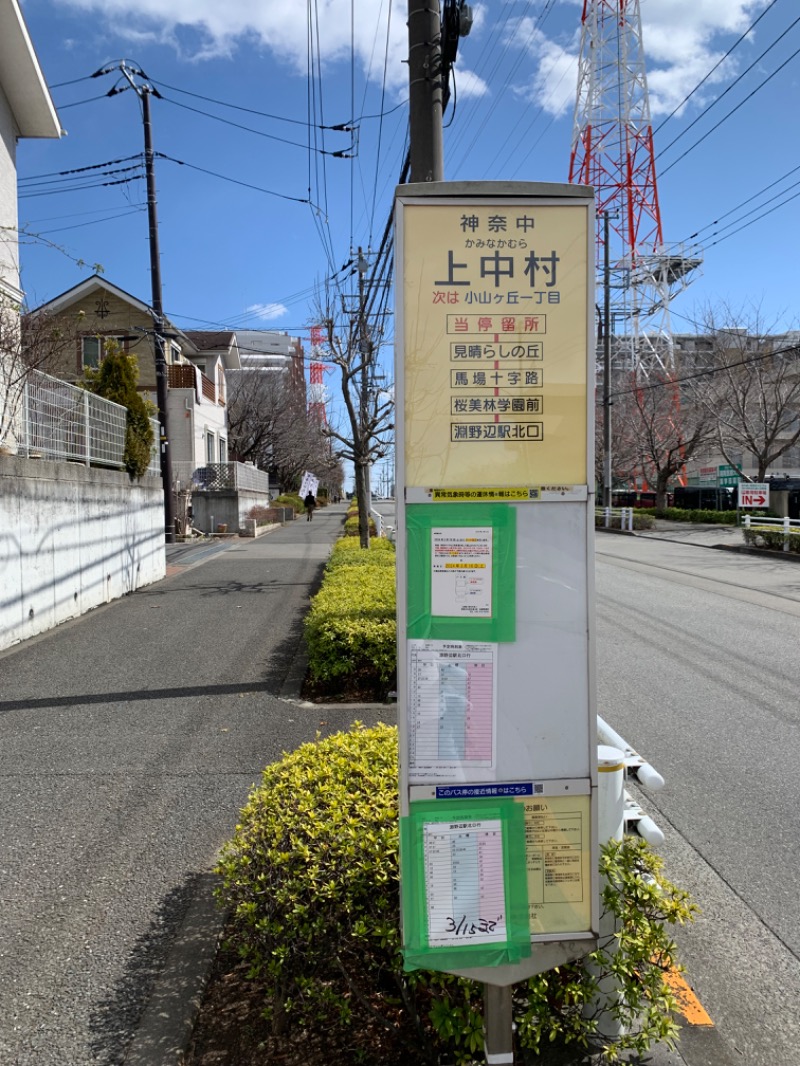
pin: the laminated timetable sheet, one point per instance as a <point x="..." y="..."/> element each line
<point x="452" y="710"/>
<point x="464" y="883"/>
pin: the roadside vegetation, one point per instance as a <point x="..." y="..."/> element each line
<point x="350" y="629"/>
<point x="684" y="514"/>
<point x="312" y="883"/>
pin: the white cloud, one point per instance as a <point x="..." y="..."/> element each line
<point x="268" y="312"/>
<point x="683" y="39"/>
<point x="203" y="29"/>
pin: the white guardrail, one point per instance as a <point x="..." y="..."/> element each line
<point x="790" y="527"/>
<point x="636" y="820"/>
<point x="615" y="517"/>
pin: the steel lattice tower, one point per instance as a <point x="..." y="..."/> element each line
<point x="612" y="150"/>
<point x="316" y="372"/>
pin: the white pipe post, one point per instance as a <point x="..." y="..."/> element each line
<point x="610" y="826"/>
<point x="498" y="1026"/>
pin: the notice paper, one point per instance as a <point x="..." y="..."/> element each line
<point x="465" y="883"/>
<point x="452" y="709"/>
<point x="557" y="844"/>
<point x="461" y="577"/>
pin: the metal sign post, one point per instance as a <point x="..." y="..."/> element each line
<point x="495" y="502"/>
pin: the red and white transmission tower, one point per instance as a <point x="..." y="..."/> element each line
<point x="316" y="392"/>
<point x="612" y="149"/>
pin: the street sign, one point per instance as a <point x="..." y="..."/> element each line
<point x="753" y="494"/>
<point x="495" y="630"/>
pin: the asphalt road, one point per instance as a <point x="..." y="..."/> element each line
<point x="129" y="740"/>
<point x="697" y="668"/>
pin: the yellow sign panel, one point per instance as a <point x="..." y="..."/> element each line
<point x="558" y="854"/>
<point x="495" y="334"/>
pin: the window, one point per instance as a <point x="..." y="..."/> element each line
<point x="210" y="448"/>
<point x="223" y="450"/>
<point x="93" y="350"/>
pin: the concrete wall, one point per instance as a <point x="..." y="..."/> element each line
<point x="226" y="507"/>
<point x="71" y="538"/>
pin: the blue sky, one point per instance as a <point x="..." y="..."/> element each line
<point x="232" y="255"/>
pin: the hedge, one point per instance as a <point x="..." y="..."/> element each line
<point x="311" y="879"/>
<point x="771" y="539"/>
<point x="350" y="629"/>
<point x="685" y="514"/>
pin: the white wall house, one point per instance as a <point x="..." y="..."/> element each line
<point x="26" y="110"/>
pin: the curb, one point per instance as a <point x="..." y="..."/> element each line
<point x="166" y="1026"/>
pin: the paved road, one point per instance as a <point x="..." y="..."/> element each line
<point x="697" y="667"/>
<point x="129" y="740"/>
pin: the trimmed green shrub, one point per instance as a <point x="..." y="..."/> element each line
<point x="771" y="539"/>
<point x="348" y="552"/>
<point x="351" y="526"/>
<point x="350" y="629"/>
<point x="684" y="514"/>
<point x="311" y="877"/>
<point x="288" y="499"/>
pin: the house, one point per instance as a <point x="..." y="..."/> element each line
<point x="26" y="110"/>
<point x="96" y="311"/>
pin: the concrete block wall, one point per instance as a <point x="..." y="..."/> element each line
<point x="71" y="538"/>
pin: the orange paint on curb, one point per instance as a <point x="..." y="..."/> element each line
<point x="688" y="1004"/>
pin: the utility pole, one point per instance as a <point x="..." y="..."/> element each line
<point x="425" y="91"/>
<point x="362" y="466"/>
<point x="162" y="381"/>
<point x="607" y="463"/>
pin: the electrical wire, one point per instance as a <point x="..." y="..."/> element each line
<point x="80" y="170"/>
<point x="240" y="107"/>
<point x="79" y="103"/>
<point x="80" y="188"/>
<point x="716" y="66"/>
<point x="733" y="111"/>
<point x="733" y="84"/>
<point x="234" y="181"/>
<point x="679" y="380"/>
<point x="94" y="222"/>
<point x="239" y="126"/>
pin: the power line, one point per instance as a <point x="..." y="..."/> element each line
<point x="732" y="111"/>
<point x="249" y="129"/>
<point x="716" y="66"/>
<point x="234" y="181"/>
<point x="80" y="170"/>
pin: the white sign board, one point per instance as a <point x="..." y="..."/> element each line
<point x="753" y="494"/>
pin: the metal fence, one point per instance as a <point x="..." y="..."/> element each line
<point x="218" y="476"/>
<point x="60" y="421"/>
<point x="789" y="527"/>
<point x="614" y="517"/>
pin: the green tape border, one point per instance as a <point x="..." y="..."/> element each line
<point x="422" y="625"/>
<point x="417" y="952"/>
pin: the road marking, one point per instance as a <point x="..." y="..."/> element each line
<point x="688" y="1004"/>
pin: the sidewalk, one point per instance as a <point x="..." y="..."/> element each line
<point x="129" y="741"/>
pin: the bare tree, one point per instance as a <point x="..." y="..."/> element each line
<point x="751" y="391"/>
<point x="658" y="428"/>
<point x="25" y="346"/>
<point x="268" y="425"/>
<point x="365" y="436"/>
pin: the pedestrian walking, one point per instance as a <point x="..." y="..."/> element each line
<point x="310" y="503"/>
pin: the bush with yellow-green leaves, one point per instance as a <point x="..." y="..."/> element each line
<point x="311" y="878"/>
<point x="350" y="628"/>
